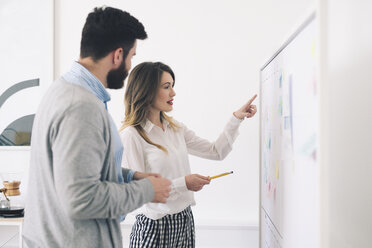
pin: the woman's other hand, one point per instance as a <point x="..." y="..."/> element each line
<point x="248" y="110"/>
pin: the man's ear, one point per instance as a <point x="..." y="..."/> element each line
<point x="117" y="57"/>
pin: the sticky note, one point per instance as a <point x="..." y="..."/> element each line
<point x="277" y="169"/>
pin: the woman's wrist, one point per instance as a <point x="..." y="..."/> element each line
<point x="237" y="116"/>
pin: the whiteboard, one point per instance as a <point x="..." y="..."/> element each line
<point x="288" y="143"/>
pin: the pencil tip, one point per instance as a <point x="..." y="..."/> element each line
<point x="231" y="172"/>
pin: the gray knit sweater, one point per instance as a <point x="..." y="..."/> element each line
<point x="73" y="198"/>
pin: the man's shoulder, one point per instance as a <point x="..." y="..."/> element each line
<point x="66" y="99"/>
<point x="64" y="87"/>
<point x="71" y="96"/>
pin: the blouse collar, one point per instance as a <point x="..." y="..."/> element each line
<point x="148" y="125"/>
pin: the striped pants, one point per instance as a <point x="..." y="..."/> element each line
<point x="171" y="231"/>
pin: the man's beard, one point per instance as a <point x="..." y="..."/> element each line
<point x="115" y="78"/>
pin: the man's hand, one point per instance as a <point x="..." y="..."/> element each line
<point x="161" y="189"/>
<point x="248" y="110"/>
<point x="195" y="182"/>
<point x="141" y="175"/>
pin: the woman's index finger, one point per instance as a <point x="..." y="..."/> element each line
<point x="252" y="99"/>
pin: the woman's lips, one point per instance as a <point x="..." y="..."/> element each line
<point x="170" y="102"/>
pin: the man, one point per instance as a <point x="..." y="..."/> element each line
<point x="76" y="192"/>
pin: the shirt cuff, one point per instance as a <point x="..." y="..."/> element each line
<point x="236" y="120"/>
<point x="179" y="184"/>
<point x="122" y="218"/>
<point x="130" y="176"/>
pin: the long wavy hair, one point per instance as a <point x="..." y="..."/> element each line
<point x="140" y="93"/>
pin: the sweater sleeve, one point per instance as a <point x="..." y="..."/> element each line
<point x="80" y="145"/>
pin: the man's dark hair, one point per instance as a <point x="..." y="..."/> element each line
<point x="107" y="29"/>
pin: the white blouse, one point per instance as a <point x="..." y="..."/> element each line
<point x="141" y="156"/>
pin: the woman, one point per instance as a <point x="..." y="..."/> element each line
<point x="154" y="142"/>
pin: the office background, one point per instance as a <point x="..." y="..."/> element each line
<point x="216" y="49"/>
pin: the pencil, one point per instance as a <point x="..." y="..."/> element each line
<point x="221" y="175"/>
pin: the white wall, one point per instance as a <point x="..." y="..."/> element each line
<point x="346" y="141"/>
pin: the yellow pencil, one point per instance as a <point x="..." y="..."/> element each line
<point x="221" y="175"/>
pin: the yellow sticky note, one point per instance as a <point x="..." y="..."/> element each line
<point x="277" y="169"/>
